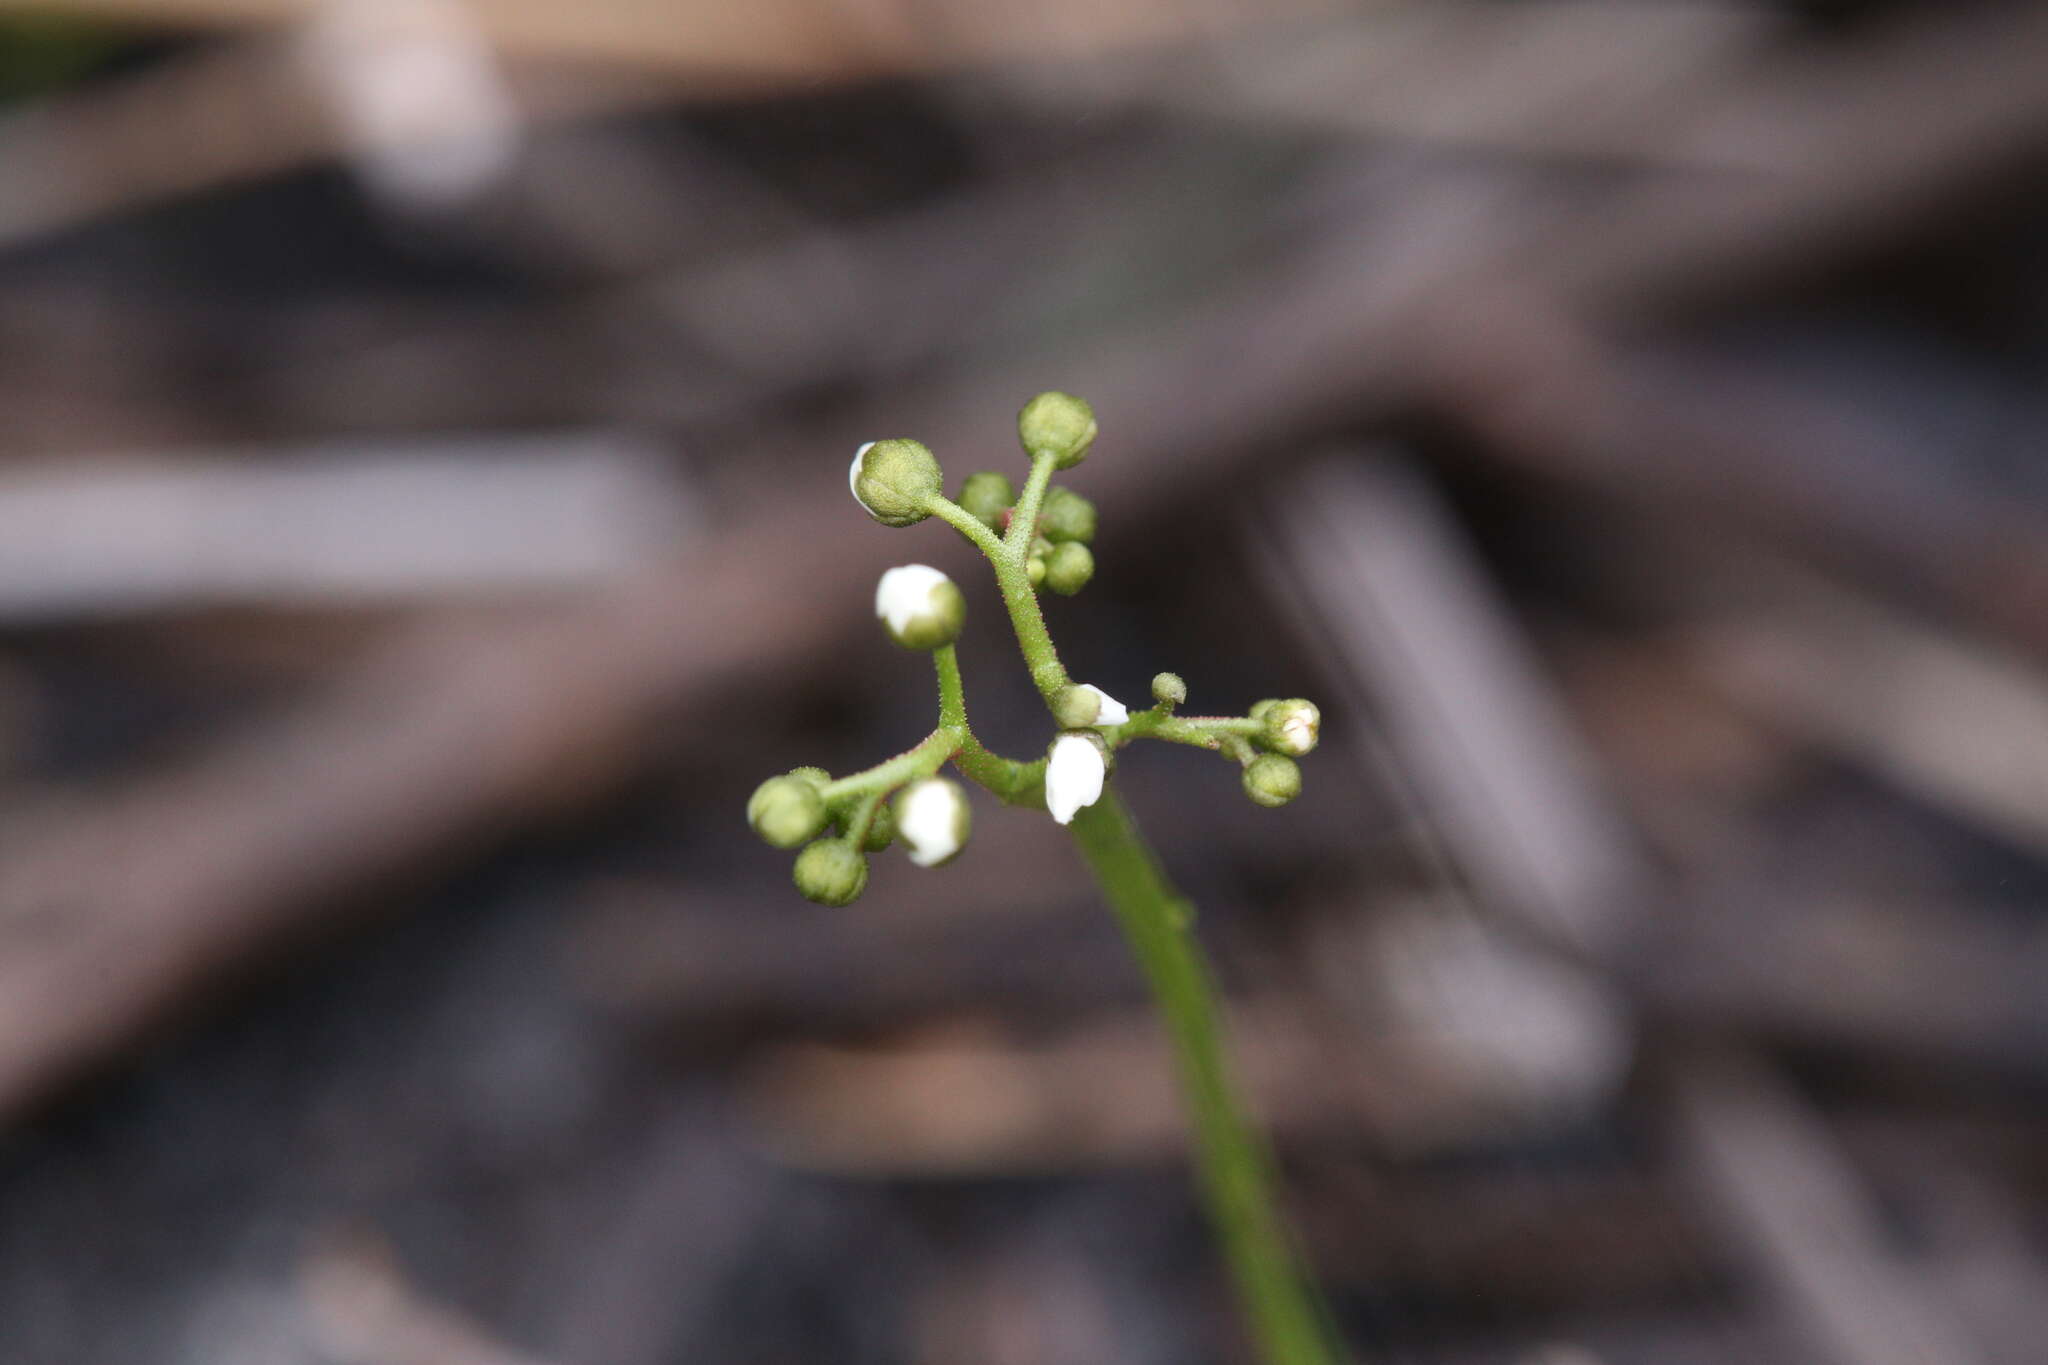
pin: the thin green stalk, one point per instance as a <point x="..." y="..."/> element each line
<point x="1236" y="1172"/>
<point x="1018" y="784"/>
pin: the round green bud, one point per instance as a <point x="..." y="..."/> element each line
<point x="1169" y="689"/>
<point x="816" y="776"/>
<point x="831" y="872"/>
<point x="1291" y="726"/>
<point x="1057" y="424"/>
<point x="1066" y="515"/>
<point x="1077" y="706"/>
<point x="1069" y="567"/>
<point x="785" y="811"/>
<point x="881" y="830"/>
<point x="895" y="481"/>
<point x="920" y="607"/>
<point x="1272" y="779"/>
<point x="986" y="496"/>
<point x="1034" y="569"/>
<point x="1260" y="708"/>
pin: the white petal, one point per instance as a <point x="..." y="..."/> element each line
<point x="1112" y="712"/>
<point x="853" y="478"/>
<point x="1297" y="735"/>
<point x="928" y="819"/>
<point x="905" y="592"/>
<point x="1073" y="776"/>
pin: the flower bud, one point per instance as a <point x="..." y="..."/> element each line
<point x="1057" y="424"/>
<point x="1081" y="705"/>
<point x="816" y="776"/>
<point x="881" y="830"/>
<point x="1169" y="689"/>
<point x="1260" y="708"/>
<point x="1075" y="767"/>
<point x="831" y="872"/>
<point x="1069" y="567"/>
<point x="1077" y="706"/>
<point x="1272" y="779"/>
<point x="922" y="608"/>
<point x="933" y="819"/>
<point x="895" y="481"/>
<point x="1034" y="569"/>
<point x="1291" y="726"/>
<point x="986" y="496"/>
<point x="1066" y="515"/>
<point x="786" y="811"/>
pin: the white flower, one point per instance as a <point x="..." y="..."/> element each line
<point x="932" y="818"/>
<point x="853" y="479"/>
<point x="921" y="606"/>
<point x="1112" y="712"/>
<point x="1074" y="771"/>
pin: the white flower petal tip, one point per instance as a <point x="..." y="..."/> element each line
<point x="1112" y="712"/>
<point x="932" y="820"/>
<point x="853" y="478"/>
<point x="1074" y="772"/>
<point x="905" y="592"/>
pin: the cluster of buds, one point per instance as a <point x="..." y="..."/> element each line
<point x="929" y="817"/>
<point x="1037" y="536"/>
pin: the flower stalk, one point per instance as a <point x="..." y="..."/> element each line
<point x="1041" y="537"/>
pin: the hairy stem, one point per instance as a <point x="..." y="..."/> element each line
<point x="1235" y="1170"/>
<point x="1017" y="784"/>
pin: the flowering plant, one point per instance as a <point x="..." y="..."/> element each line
<point x="1040" y="537"/>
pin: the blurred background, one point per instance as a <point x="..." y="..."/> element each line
<point x="423" y="427"/>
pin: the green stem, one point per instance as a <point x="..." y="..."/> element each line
<point x="1017" y="784"/>
<point x="1235" y="1170"/>
<point x="929" y="755"/>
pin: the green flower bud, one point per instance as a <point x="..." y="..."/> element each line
<point x="1034" y="569"/>
<point x="816" y="776"/>
<point x="830" y="872"/>
<point x="1291" y="726"/>
<point x="1057" y="424"/>
<point x="1069" y="567"/>
<point x="933" y="815"/>
<point x="786" y="811"/>
<point x="921" y="607"/>
<point x="1077" y="707"/>
<point x="1168" y="689"/>
<point x="1272" y="779"/>
<point x="881" y="830"/>
<point x="1260" y="708"/>
<point x="1066" y="515"/>
<point x="986" y="496"/>
<point x="895" y="481"/>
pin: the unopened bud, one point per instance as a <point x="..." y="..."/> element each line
<point x="1272" y="779"/>
<point x="895" y="481"/>
<point x="1069" y="567"/>
<point x="1169" y="689"/>
<point x="881" y="830"/>
<point x="1034" y="569"/>
<point x="933" y="819"/>
<point x="922" y="608"/>
<point x="1066" y="515"/>
<point x="986" y="496"/>
<point x="831" y="872"/>
<point x="1057" y="424"/>
<point x="1291" y="726"/>
<point x="785" y="811"/>
<point x="1077" y="706"/>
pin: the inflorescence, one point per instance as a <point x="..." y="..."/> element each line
<point x="1036" y="537"/>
